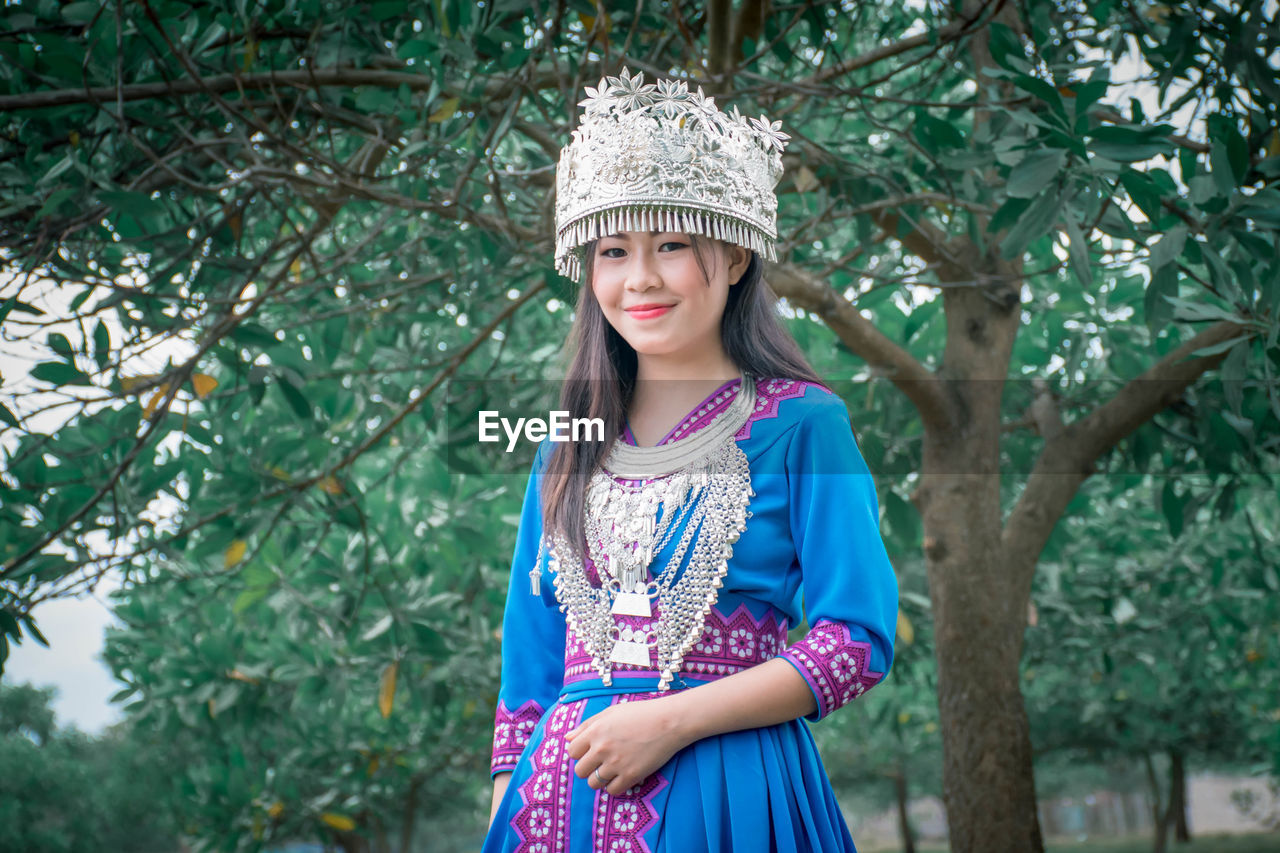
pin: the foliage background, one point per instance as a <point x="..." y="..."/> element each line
<point x="312" y="219"/>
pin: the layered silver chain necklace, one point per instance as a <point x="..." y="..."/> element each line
<point x="702" y="482"/>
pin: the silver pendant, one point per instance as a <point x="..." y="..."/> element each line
<point x="535" y="581"/>
<point x="631" y="604"/>
<point x="628" y="651"/>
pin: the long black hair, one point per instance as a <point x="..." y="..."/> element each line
<point x="601" y="376"/>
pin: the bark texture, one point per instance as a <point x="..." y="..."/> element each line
<point x="904" y="819"/>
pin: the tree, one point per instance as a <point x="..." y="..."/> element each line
<point x="64" y="792"/>
<point x="304" y="197"/>
<point x="329" y="687"/>
<point x="1151" y="645"/>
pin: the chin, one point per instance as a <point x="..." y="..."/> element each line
<point x="651" y="348"/>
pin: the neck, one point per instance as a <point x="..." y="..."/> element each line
<point x="716" y="367"/>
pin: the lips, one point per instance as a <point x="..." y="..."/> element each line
<point x="648" y="310"/>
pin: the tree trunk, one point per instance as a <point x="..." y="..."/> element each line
<point x="1161" y="841"/>
<point x="410" y="814"/>
<point x="985" y="732"/>
<point x="904" y="821"/>
<point x="1159" y="813"/>
<point x="979" y="598"/>
<point x="1178" y="795"/>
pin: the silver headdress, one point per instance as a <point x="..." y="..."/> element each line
<point x="657" y="156"/>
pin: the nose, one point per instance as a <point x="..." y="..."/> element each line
<point x="642" y="270"/>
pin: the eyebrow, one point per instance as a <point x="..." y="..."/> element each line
<point x="653" y="233"/>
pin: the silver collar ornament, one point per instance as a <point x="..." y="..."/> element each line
<point x="702" y="484"/>
<point x="657" y="156"/>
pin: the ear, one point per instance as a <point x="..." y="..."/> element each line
<point x="739" y="259"/>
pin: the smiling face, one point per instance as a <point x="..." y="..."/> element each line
<point x="653" y="292"/>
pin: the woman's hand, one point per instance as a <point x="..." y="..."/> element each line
<point x="630" y="740"/>
<point x="626" y="743"/>
<point x="500" y="783"/>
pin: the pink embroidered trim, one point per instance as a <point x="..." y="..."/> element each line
<point x="834" y="664"/>
<point x="511" y="731"/>
<point x="543" y="821"/>
<point x="622" y="820"/>
<point x="734" y="643"/>
<point x="707" y="411"/>
<point x="769" y="394"/>
<point x="728" y="644"/>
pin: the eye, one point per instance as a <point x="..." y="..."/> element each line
<point x="604" y="253"/>
<point x="676" y="244"/>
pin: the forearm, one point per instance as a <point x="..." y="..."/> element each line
<point x="500" y="783"/>
<point x="763" y="695"/>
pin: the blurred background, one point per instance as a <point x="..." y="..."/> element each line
<point x="252" y="569"/>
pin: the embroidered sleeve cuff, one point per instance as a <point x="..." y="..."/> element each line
<point x="834" y="664"/>
<point x="511" y="731"/>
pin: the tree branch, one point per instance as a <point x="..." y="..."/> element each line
<point x="719" y="30"/>
<point x="326" y="210"/>
<point x="950" y="32"/>
<point x="859" y="334"/>
<point x="1067" y="459"/>
<point x="235" y="82"/>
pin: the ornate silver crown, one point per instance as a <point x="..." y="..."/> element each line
<point x="657" y="156"/>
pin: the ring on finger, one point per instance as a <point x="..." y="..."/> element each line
<point x="603" y="782"/>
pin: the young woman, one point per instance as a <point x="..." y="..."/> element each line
<point x="650" y="700"/>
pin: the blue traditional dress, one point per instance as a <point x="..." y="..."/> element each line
<point x="813" y="532"/>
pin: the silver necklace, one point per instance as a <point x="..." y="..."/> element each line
<point x="702" y="485"/>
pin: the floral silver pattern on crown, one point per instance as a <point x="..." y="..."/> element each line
<point x="658" y="156"/>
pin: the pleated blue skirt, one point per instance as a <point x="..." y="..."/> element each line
<point x="752" y="791"/>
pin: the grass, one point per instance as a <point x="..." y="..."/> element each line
<point x="1263" y="843"/>
<point x="1266" y="843"/>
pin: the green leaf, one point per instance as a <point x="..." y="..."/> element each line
<point x="54" y="202"/>
<point x="58" y="343"/>
<point x="294" y="397"/>
<point x="1219" y="274"/>
<point x="1033" y="224"/>
<point x="59" y="373"/>
<point x="252" y="333"/>
<point x="8" y="306"/>
<point x="936" y="135"/>
<point x="1144" y="192"/>
<point x="30" y="625"/>
<point x="903" y="519"/>
<point x="101" y="345"/>
<point x="1220" y="166"/>
<point x="57" y="196"/>
<point x="378" y="629"/>
<point x="1171" y="504"/>
<point x="1214" y="349"/>
<point x="1006" y="48"/>
<point x="1087" y="94"/>
<point x="1042" y="90"/>
<point x="1169" y="246"/>
<point x="1035" y="171"/>
<point x="138" y="205"/>
<point x="1198" y="312"/>
<point x="248" y="598"/>
<point x="1233" y="373"/>
<point x="1128" y="144"/>
<point x="1078" y="252"/>
<point x="1157" y="301"/>
<point x="9" y="625"/>
<point x="1008" y="214"/>
<point x="80" y="13"/>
